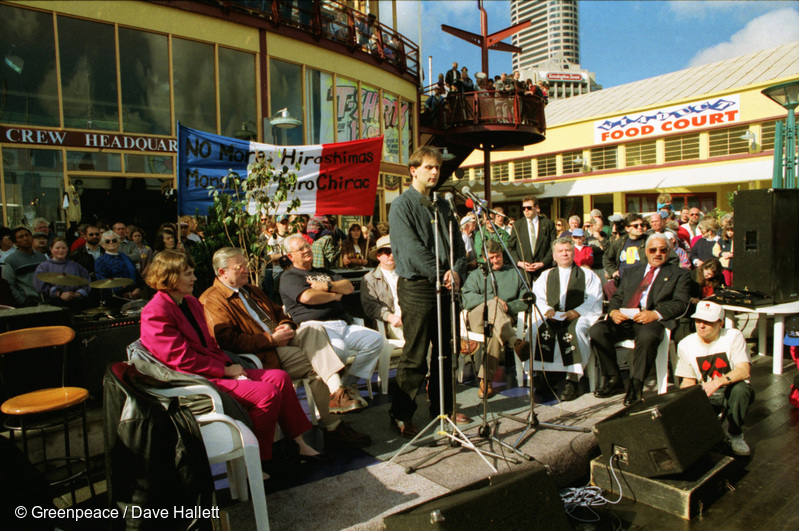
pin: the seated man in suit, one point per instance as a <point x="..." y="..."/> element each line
<point x="569" y="298"/>
<point x="243" y="319"/>
<point x="661" y="292"/>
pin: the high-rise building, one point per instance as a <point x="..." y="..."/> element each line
<point x="554" y="33"/>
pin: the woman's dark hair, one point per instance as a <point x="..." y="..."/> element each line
<point x="711" y="264"/>
<point x="159" y="245"/>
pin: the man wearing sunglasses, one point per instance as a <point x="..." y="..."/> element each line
<point x="660" y="292"/>
<point x="627" y="251"/>
<point x="531" y="240"/>
<point x="91" y="249"/>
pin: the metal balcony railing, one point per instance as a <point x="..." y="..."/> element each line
<point x="337" y="22"/>
<point x="484" y="108"/>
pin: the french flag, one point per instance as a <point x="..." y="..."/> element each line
<point x="339" y="179"/>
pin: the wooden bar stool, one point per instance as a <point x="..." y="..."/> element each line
<point x="71" y="401"/>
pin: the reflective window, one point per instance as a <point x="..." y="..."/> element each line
<point x="88" y="74"/>
<point x="195" y="96"/>
<point x="236" y="90"/>
<point x="391" y="147"/>
<point x="683" y="147"/>
<point x="319" y="106"/>
<point x="347" y="109"/>
<point x="641" y="153"/>
<point x="572" y="162"/>
<point x="28" y="71"/>
<point x="285" y="92"/>
<point x="144" y="73"/>
<point x="604" y="158"/>
<point x="547" y="166"/>
<point x="370" y="112"/>
<point x="728" y="141"/>
<point x="160" y="164"/>
<point x="523" y="169"/>
<point x="34" y="185"/>
<point x="93" y="161"/>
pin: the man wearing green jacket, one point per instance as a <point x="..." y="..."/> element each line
<point x="503" y="306"/>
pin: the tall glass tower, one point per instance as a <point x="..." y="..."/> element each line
<point x="553" y="35"/>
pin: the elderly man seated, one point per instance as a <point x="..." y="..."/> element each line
<point x="717" y="358"/>
<point x="313" y="295"/>
<point x="569" y="298"/>
<point x="243" y="319"/>
<point x="115" y="264"/>
<point x="651" y="297"/>
<point x="379" y="290"/>
<point x="502" y="305"/>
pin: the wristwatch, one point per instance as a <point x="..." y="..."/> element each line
<point x="330" y="289"/>
<point x="728" y="379"/>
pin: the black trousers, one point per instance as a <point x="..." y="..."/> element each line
<point x="417" y="300"/>
<point x="605" y="334"/>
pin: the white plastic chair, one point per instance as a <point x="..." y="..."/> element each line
<point x="661" y="362"/>
<point x="228" y="441"/>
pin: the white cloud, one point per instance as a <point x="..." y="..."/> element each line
<point x="766" y="31"/>
<point x="701" y="8"/>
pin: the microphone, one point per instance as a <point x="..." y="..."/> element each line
<point x="450" y="199"/>
<point x="476" y="201"/>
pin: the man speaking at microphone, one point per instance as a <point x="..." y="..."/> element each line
<point x="413" y="243"/>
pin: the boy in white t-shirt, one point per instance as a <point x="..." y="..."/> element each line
<point x="717" y="357"/>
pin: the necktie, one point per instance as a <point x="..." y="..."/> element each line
<point x="635" y="300"/>
<point x="531" y="230"/>
<point x="258" y="310"/>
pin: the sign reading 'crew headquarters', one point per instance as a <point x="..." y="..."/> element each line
<point x="669" y="120"/>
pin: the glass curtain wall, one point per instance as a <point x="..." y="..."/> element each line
<point x="34" y="185"/>
<point x="195" y="80"/>
<point x="285" y="92"/>
<point x="28" y="80"/>
<point x="144" y="73"/>
<point x="319" y="107"/>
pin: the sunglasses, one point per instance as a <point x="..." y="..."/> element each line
<point x="658" y="250"/>
<point x="637" y="225"/>
<point x="527" y="208"/>
<point x="92" y="234"/>
<point x="112" y="241"/>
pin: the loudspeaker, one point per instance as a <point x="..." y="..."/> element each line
<point x="663" y="435"/>
<point x="99" y="344"/>
<point x="524" y="499"/>
<point x="766" y="242"/>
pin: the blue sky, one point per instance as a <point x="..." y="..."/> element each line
<point x="621" y="41"/>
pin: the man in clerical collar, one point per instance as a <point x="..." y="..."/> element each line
<point x="569" y="299"/>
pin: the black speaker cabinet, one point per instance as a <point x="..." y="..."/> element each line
<point x="766" y="242"/>
<point x="524" y="499"/>
<point x="663" y="435"/>
<point x="99" y="344"/>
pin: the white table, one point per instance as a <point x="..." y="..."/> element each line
<point x="778" y="311"/>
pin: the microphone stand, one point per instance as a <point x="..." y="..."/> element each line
<point x="447" y="429"/>
<point x="531" y="421"/>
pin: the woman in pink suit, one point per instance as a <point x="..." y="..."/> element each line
<point x="173" y="328"/>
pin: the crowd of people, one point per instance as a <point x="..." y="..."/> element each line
<point x="495" y="97"/>
<point x="653" y="273"/>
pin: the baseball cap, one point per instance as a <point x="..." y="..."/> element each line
<point x="708" y="311"/>
<point x="283" y="218"/>
<point x="792" y="331"/>
<point x="39" y="235"/>
<point x="579" y="233"/>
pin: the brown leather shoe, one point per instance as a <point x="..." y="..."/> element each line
<point x="343" y="402"/>
<point x="460" y="419"/>
<point x="522" y="349"/>
<point x="485" y="389"/>
<point x="406" y="428"/>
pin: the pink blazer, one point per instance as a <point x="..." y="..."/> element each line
<point x="171" y="338"/>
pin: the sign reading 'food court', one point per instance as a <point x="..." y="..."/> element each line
<point x="669" y="120"/>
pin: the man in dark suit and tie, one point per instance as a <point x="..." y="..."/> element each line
<point x="661" y="291"/>
<point x="531" y="240"/>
